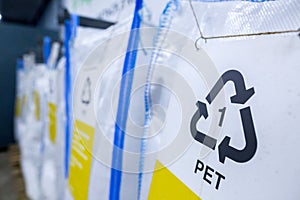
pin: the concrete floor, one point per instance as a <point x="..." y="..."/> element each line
<point x="8" y="190"/>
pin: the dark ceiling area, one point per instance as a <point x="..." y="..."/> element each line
<point x="22" y="11"/>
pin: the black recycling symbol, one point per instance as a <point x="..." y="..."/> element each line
<point x="86" y="92"/>
<point x="241" y="97"/>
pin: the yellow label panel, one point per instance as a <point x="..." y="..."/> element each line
<point x="18" y="107"/>
<point x="52" y="122"/>
<point x="36" y="99"/>
<point x="81" y="160"/>
<point x="165" y="185"/>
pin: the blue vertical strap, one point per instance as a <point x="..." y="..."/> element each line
<point x="20" y="65"/>
<point x="159" y="38"/>
<point x="67" y="95"/>
<point x="47" y="48"/>
<point x="74" y="23"/>
<point x="123" y="104"/>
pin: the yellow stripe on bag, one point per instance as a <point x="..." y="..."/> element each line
<point x="167" y="186"/>
<point x="18" y="107"/>
<point x="81" y="160"/>
<point x="36" y="99"/>
<point x="52" y="122"/>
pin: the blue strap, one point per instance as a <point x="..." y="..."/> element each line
<point x="47" y="48"/>
<point x="123" y="105"/>
<point x="20" y="65"/>
<point x="67" y="95"/>
<point x="70" y="33"/>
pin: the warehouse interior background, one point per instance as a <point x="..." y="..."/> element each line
<point x="23" y="24"/>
